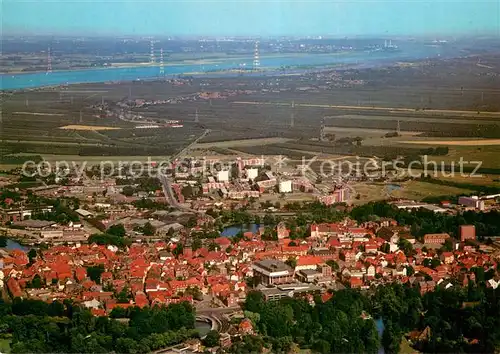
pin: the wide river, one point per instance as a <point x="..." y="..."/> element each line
<point x="362" y="59"/>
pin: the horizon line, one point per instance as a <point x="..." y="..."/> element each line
<point x="493" y="34"/>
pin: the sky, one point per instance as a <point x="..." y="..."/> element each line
<point x="251" y="17"/>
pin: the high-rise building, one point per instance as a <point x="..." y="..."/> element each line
<point x="467" y="232"/>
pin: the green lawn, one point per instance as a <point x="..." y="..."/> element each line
<point x="5" y="345"/>
<point x="418" y="190"/>
<point x="405" y="347"/>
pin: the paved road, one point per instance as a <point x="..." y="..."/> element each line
<point x="167" y="190"/>
<point x="218" y="311"/>
<point x="187" y="148"/>
<point x="214" y="314"/>
<point x="167" y="184"/>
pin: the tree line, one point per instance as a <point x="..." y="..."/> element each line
<point x="422" y="221"/>
<point x="63" y="327"/>
<point x="458" y="320"/>
<point x="335" y="326"/>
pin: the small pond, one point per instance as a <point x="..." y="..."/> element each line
<point x="203" y="327"/>
<point x="232" y="230"/>
<point x="14" y="245"/>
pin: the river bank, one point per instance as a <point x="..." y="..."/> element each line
<point x="199" y="61"/>
<point x="308" y="61"/>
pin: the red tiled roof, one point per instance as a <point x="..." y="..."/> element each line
<point x="87" y="284"/>
<point x="110" y="305"/>
<point x="355" y="282"/>
<point x="80" y="273"/>
<point x="308" y="260"/>
<point x="323" y="228"/>
<point x="359" y="230"/>
<point x="98" y="312"/>
<point x="326" y="296"/>
<point x="14" y="287"/>
<point x="222" y="241"/>
<point x="141" y="299"/>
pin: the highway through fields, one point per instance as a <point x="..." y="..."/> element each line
<point x="167" y="184"/>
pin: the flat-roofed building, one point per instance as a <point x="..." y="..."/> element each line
<point x="252" y="173"/>
<point x="285" y="187"/>
<point x="14" y="215"/>
<point x="308" y="275"/>
<point x="223" y="176"/>
<point x="51" y="234"/>
<point x="271" y="271"/>
<point x="471" y="202"/>
<point x="297" y="290"/>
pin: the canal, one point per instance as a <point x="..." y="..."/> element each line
<point x="380" y="329"/>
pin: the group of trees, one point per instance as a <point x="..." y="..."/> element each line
<point x="454" y="326"/>
<point x="114" y="235"/>
<point x="141" y="184"/>
<point x="349" y="141"/>
<point x="147" y="229"/>
<point x="191" y="192"/>
<point x="19" y="159"/>
<point x="438" y="151"/>
<point x="9" y="195"/>
<point x="128" y="191"/>
<point x="424" y="221"/>
<point x="146" y="203"/>
<point x="307" y="213"/>
<point x="63" y="209"/>
<point x="38" y="327"/>
<point x="236" y="217"/>
<point x="211" y="339"/>
<point x="106" y="239"/>
<point x="60" y="214"/>
<point x="459" y="319"/>
<point x="95" y="272"/>
<point x="478" y="188"/>
<point x="3" y="241"/>
<point x="334" y="326"/>
<point x="316" y="212"/>
<point x="36" y="283"/>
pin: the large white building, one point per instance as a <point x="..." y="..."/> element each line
<point x="271" y="271"/>
<point x="223" y="176"/>
<point x="471" y="202"/>
<point x="285" y="187"/>
<point x="252" y="173"/>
